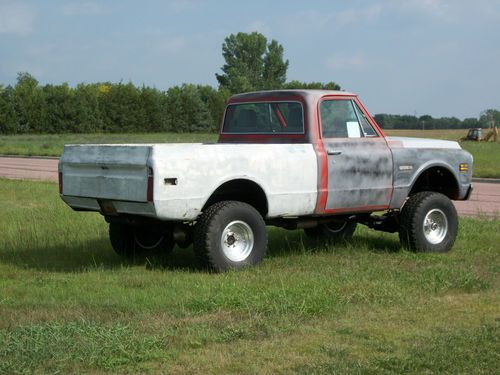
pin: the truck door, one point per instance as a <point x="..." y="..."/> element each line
<point x="359" y="161"/>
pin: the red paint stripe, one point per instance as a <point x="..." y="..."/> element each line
<point x="356" y="209"/>
<point x="60" y="175"/>
<point x="371" y="120"/>
<point x="271" y="137"/>
<point x="150" y="191"/>
<point x="322" y="177"/>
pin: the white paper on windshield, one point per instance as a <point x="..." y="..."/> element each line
<point x="353" y="129"/>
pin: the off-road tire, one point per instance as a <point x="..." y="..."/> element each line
<point x="334" y="231"/>
<point x="216" y="246"/>
<point x="134" y="242"/>
<point x="428" y="223"/>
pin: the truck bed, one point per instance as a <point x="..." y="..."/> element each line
<point x="173" y="181"/>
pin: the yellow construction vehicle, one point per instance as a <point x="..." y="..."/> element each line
<point x="476" y="134"/>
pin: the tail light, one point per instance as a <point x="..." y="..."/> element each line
<point x="150" y="185"/>
<point x="60" y="183"/>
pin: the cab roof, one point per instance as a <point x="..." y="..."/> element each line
<point x="306" y="94"/>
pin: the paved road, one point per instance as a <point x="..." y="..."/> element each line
<point x="485" y="199"/>
<point x="29" y="168"/>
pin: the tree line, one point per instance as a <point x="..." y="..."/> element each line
<point x="487" y="118"/>
<point x="251" y="63"/>
<point x="107" y="108"/>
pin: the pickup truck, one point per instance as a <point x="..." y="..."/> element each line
<point x="297" y="159"/>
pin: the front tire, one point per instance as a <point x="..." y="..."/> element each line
<point x="132" y="242"/>
<point x="230" y="235"/>
<point x="428" y="223"/>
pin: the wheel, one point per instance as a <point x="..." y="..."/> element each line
<point x="428" y="222"/>
<point x="131" y="242"/>
<point x="230" y="234"/>
<point x="333" y="231"/>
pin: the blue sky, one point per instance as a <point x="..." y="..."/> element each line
<point x="435" y="57"/>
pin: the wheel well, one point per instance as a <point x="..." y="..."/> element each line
<point x="240" y="190"/>
<point x="438" y="179"/>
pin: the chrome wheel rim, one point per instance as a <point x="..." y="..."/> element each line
<point x="237" y="241"/>
<point x="145" y="241"/>
<point x="336" y="227"/>
<point x="435" y="226"/>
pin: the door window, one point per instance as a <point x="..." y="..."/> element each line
<point x="339" y="119"/>
<point x="368" y="130"/>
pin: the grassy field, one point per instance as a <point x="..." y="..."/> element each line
<point x="486" y="155"/>
<point x="449" y="134"/>
<point x="53" y="144"/>
<point x="69" y="305"/>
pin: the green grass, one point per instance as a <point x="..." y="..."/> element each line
<point x="486" y="158"/>
<point x="486" y="155"/>
<point x="68" y="304"/>
<point x="448" y="134"/>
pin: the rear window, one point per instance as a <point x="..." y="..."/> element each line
<point x="264" y="118"/>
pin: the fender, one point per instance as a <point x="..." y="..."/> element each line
<point x="401" y="192"/>
<point x="431" y="164"/>
<point x="243" y="179"/>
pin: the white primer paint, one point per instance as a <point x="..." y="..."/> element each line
<point x="408" y="142"/>
<point x="286" y="172"/>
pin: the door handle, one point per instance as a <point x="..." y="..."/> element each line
<point x="331" y="152"/>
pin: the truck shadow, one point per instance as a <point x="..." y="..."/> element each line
<point x="97" y="254"/>
<point x="92" y="255"/>
<point x="293" y="242"/>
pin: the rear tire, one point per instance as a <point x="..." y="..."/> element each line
<point x="132" y="242"/>
<point x="428" y="223"/>
<point x="333" y="231"/>
<point x="230" y="235"/>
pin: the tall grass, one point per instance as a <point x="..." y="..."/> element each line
<point x="68" y="304"/>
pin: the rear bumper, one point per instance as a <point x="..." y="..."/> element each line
<point x="121" y="207"/>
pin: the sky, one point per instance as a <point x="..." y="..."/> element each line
<point x="415" y="57"/>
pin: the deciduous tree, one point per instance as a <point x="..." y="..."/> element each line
<point x="251" y="63"/>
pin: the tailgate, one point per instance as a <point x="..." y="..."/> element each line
<point x="117" y="172"/>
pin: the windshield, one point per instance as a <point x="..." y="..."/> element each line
<point x="264" y="118"/>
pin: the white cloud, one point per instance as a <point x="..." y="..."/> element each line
<point x="181" y="5"/>
<point x="344" y="62"/>
<point x="354" y="16"/>
<point x="173" y="44"/>
<point x="259" y="26"/>
<point x="434" y="8"/>
<point x="305" y="20"/>
<point x="85" y="8"/>
<point x="314" y="20"/>
<point x="16" y="18"/>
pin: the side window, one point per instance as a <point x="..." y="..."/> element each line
<point x="339" y="120"/>
<point x="368" y="130"/>
<point x="264" y="118"/>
